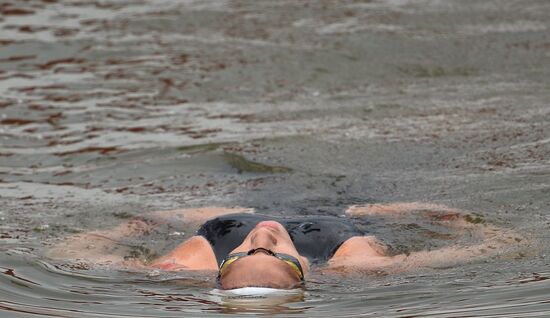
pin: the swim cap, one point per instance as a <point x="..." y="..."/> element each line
<point x="251" y="297"/>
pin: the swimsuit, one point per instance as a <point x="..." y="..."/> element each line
<point x="315" y="237"/>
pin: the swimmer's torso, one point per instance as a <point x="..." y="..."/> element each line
<point x="315" y="237"/>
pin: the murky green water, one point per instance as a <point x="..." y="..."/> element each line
<point x="110" y="109"/>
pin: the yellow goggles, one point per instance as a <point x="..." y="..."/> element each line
<point x="289" y="259"/>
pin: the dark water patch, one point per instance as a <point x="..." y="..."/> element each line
<point x="242" y="164"/>
<point x="12" y="59"/>
<point x="118" y="61"/>
<point x="64" y="98"/>
<point x="17" y="75"/>
<point x="133" y="129"/>
<point x="107" y="5"/>
<point x="123" y="215"/>
<point x="141" y="253"/>
<point x="197" y="134"/>
<point x="65" y="32"/>
<point x="7" y="9"/>
<point x="201" y="148"/>
<point x="11" y="272"/>
<point x="5" y="104"/>
<point x="436" y="71"/>
<point x="39" y="88"/>
<point x="536" y="277"/>
<point x="52" y="63"/>
<point x="6" y="42"/>
<point x="53" y="143"/>
<point x="56" y="228"/>
<point x="100" y="150"/>
<point x="29" y="29"/>
<point x="16" y="121"/>
<point x="474" y="218"/>
<point x="246" y="118"/>
<point x="52" y="119"/>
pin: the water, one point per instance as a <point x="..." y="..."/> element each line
<point x="110" y="109"/>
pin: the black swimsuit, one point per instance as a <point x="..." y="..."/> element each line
<point x="315" y="237"/>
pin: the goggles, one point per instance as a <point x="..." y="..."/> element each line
<point x="289" y="259"/>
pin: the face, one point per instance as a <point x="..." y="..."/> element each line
<point x="273" y="236"/>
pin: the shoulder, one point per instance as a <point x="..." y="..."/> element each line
<point x="194" y="254"/>
<point x="367" y="251"/>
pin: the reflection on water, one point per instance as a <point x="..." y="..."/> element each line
<point x="111" y="109"/>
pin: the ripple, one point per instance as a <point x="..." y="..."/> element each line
<point x="110" y="109"/>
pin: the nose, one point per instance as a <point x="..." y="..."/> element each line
<point x="263" y="237"/>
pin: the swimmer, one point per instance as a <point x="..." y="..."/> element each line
<point x="245" y="249"/>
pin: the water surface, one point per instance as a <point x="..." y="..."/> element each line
<point x="110" y="109"/>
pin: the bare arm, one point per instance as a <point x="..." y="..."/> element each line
<point x="108" y="247"/>
<point x="367" y="254"/>
<point x="101" y="246"/>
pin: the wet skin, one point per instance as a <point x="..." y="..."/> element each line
<point x="259" y="268"/>
<point x="272" y="236"/>
<point x="357" y="254"/>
